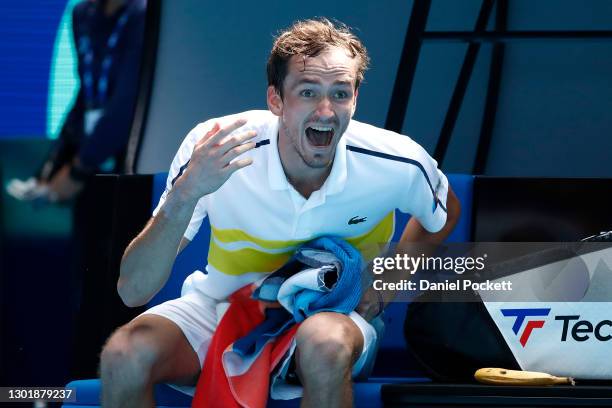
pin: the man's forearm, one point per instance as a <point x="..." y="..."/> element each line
<point x="147" y="261"/>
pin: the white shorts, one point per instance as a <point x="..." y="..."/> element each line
<point x="197" y="316"/>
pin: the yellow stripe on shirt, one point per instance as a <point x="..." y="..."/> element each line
<point x="245" y="260"/>
<point x="233" y="235"/>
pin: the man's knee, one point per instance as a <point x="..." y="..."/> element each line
<point x="328" y="342"/>
<point x="128" y="357"/>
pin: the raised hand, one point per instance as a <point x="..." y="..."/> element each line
<point x="211" y="161"/>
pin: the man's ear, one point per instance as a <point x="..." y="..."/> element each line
<point x="275" y="102"/>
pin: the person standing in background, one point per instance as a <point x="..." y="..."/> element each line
<point x="108" y="36"/>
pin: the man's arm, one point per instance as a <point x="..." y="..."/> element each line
<point x="414" y="231"/>
<point x="370" y="305"/>
<point x="147" y="261"/>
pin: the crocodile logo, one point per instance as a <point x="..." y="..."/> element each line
<point x="356" y="220"/>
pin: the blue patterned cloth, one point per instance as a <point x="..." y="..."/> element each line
<point x="324" y="275"/>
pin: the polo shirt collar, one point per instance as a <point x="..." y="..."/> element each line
<point x="337" y="177"/>
<point x="276" y="174"/>
<point x="278" y="180"/>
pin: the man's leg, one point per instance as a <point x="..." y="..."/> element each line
<point x="148" y="350"/>
<point x="328" y="344"/>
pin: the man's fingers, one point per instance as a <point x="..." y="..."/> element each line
<point x="237" y="151"/>
<point x="236" y="140"/>
<point x="209" y="134"/>
<point x="237" y="165"/>
<point x="224" y="131"/>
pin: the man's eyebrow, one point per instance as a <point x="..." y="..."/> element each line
<point x="307" y="80"/>
<point x="343" y="82"/>
<point x="315" y="81"/>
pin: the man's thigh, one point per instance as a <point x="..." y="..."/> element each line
<point x="183" y="328"/>
<point x="175" y="359"/>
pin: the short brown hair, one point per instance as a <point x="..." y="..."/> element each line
<point x="309" y="38"/>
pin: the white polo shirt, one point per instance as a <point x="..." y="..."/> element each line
<point x="258" y="219"/>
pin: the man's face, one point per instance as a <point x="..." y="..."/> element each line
<point x="319" y="99"/>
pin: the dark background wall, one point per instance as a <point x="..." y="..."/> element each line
<point x="554" y="98"/>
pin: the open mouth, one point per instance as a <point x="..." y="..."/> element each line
<point x="320" y="136"/>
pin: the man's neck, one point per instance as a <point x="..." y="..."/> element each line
<point x="303" y="178"/>
<point x="307" y="185"/>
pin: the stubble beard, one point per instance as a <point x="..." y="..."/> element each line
<point x="295" y="142"/>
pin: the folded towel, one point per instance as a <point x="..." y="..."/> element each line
<point x="256" y="334"/>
